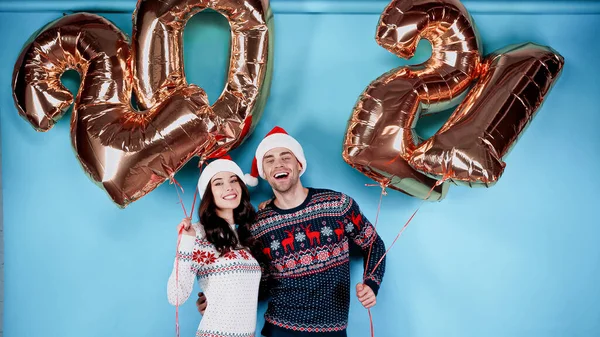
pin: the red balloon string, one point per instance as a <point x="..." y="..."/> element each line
<point x="375" y="225"/>
<point x="383" y="192"/>
<point x="177" y="187"/>
<point x="439" y="182"/>
<point x="371" y="323"/>
<point x="177" y="184"/>
<point x="177" y="283"/>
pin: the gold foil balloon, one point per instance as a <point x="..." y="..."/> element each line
<point x="158" y="55"/>
<point x="380" y="136"/>
<point x="128" y="152"/>
<point x="470" y="147"/>
<point x="380" y="139"/>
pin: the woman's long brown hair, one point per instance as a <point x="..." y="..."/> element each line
<point x="219" y="232"/>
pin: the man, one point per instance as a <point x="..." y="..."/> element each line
<point x="306" y="233"/>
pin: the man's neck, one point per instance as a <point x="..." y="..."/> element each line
<point x="292" y="198"/>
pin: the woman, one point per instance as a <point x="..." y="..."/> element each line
<point x="220" y="253"/>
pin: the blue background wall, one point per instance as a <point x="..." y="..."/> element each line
<point x="519" y="259"/>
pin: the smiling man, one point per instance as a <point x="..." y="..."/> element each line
<point x="306" y="233"/>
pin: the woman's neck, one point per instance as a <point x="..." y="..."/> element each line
<point x="227" y="215"/>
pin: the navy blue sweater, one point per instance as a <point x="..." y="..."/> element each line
<point x="308" y="274"/>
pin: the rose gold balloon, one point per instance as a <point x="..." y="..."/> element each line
<point x="470" y="147"/>
<point x="158" y="54"/>
<point x="129" y="152"/>
<point x="380" y="136"/>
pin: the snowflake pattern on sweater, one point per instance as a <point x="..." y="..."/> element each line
<point x="229" y="281"/>
<point x="309" y="266"/>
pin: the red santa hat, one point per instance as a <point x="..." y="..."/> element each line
<point x="224" y="163"/>
<point x="277" y="137"/>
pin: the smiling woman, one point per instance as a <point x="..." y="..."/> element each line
<point x="226" y="191"/>
<point x="220" y="253"/>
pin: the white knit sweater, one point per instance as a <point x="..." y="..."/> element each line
<point x="230" y="283"/>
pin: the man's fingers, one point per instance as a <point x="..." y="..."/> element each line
<point x="364" y="298"/>
<point x="370" y="302"/>
<point x="363" y="292"/>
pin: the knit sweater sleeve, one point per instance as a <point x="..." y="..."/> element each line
<point x="263" y="289"/>
<point x="363" y="234"/>
<point x="183" y="276"/>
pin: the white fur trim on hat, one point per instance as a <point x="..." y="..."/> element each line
<point x="219" y="165"/>
<point x="279" y="140"/>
